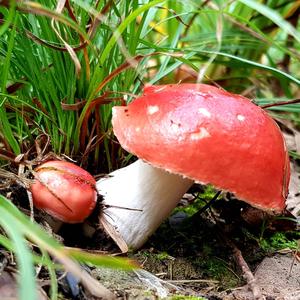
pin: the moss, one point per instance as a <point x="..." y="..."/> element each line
<point x="200" y="201"/>
<point x="162" y="256"/>
<point x="217" y="269"/>
<point x="278" y="241"/>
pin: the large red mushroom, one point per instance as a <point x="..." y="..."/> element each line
<point x="185" y="133"/>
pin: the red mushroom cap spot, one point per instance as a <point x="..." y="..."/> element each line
<point x="64" y="190"/>
<point x="210" y="136"/>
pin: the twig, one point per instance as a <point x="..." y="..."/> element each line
<point x="247" y="273"/>
<point x="193" y="281"/>
<point x="294" y="259"/>
<point x="280" y="103"/>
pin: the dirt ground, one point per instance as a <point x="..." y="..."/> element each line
<point x="189" y="256"/>
<point x="191" y="259"/>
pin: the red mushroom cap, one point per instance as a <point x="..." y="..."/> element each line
<point x="210" y="136"/>
<point x="64" y="190"/>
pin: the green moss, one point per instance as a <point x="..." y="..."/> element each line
<point x="162" y="255"/>
<point x="201" y="200"/>
<point x="278" y="241"/>
<point x="217" y="269"/>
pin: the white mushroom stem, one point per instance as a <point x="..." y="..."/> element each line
<point x="152" y="192"/>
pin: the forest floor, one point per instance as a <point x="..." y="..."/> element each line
<point x="195" y="253"/>
<point x="195" y="256"/>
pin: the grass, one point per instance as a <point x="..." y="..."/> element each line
<point x="24" y="236"/>
<point x="72" y="54"/>
<point x="63" y="68"/>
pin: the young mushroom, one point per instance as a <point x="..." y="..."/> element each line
<point x="64" y="190"/>
<point x="185" y="133"/>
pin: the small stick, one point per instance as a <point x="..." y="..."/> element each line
<point x="193" y="281"/>
<point x="294" y="259"/>
<point x="247" y="273"/>
<point x="280" y="103"/>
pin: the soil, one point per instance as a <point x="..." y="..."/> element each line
<point x="189" y="256"/>
<point x="278" y="277"/>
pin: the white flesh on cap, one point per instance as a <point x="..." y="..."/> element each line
<point x="152" y="192"/>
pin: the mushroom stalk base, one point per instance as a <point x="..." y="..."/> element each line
<point x="139" y="198"/>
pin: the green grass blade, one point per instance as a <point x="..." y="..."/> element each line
<point x="24" y="258"/>
<point x="41" y="238"/>
<point x="116" y="35"/>
<point x="273" y="16"/>
<point x="172" y="67"/>
<point x="255" y="64"/>
<point x="53" y="279"/>
<point x="10" y="17"/>
<point x="101" y="260"/>
<point x="5" y="125"/>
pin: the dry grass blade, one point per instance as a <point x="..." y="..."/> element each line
<point x="48" y="44"/>
<point x="60" y="6"/>
<point x="183" y="281"/>
<point x="99" y="17"/>
<point x="174" y="13"/>
<point x="281" y="103"/>
<point x="37" y="9"/>
<point x="84" y="128"/>
<point x="132" y="62"/>
<point x="12" y="177"/>
<point x="257" y="294"/>
<point x="97" y="101"/>
<point x="7" y="155"/>
<point x="53" y="46"/>
<point x="85" y="52"/>
<point x="114" y="235"/>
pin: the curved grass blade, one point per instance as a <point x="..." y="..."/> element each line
<point x="174" y="66"/>
<point x="98" y="75"/>
<point x="254" y="64"/>
<point x="40" y="238"/>
<point x="5" y="125"/>
<point x="273" y="16"/>
<point x="101" y="260"/>
<point x="24" y="258"/>
<point x="10" y="17"/>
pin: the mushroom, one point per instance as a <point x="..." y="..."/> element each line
<point x="64" y="190"/>
<point x="185" y="133"/>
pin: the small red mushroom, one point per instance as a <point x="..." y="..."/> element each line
<point x="187" y="133"/>
<point x="64" y="190"/>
